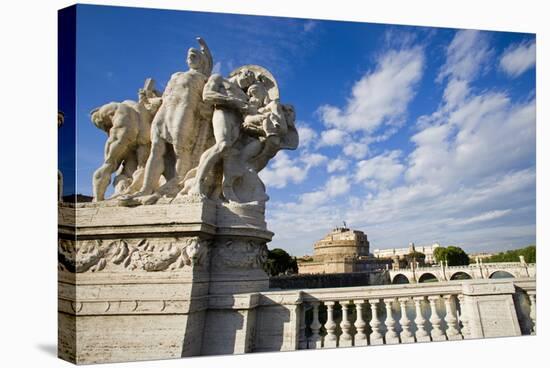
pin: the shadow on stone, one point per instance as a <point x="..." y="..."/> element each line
<point x="274" y="322"/>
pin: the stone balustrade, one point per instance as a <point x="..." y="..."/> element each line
<point x="471" y="271"/>
<point x="391" y="319"/>
<point x="398" y="314"/>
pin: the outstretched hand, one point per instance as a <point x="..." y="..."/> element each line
<point x="201" y="41"/>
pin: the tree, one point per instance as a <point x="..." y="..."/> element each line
<point x="454" y="256"/>
<point x="529" y="252"/>
<point x="415" y="256"/>
<point x="439" y="254"/>
<point x="280" y="262"/>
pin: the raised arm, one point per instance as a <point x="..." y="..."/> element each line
<point x="214" y="94"/>
<point x="207" y="55"/>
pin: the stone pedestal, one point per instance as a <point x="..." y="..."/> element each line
<point x="135" y="283"/>
<point x="490" y="310"/>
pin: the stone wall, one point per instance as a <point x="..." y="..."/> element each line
<point x="343" y="265"/>
<point x="329" y="280"/>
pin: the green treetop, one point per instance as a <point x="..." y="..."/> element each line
<point x="280" y="262"/>
<point x="454" y="256"/>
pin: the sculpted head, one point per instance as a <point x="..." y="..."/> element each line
<point x="258" y="95"/>
<point x="245" y="78"/>
<point x="290" y="113"/>
<point x="102" y="116"/>
<point x="195" y="59"/>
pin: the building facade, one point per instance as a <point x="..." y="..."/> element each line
<point x="427" y="250"/>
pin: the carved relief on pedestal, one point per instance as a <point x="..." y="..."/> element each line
<point x="131" y="254"/>
<point x="239" y="254"/>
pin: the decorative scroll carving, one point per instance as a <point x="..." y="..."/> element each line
<point x="131" y="254"/>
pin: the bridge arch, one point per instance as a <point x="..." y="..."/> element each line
<point x="501" y="274"/>
<point x="400" y="279"/>
<point x="461" y="275"/>
<point x="427" y="277"/>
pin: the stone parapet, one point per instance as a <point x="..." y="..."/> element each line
<point x="187" y="279"/>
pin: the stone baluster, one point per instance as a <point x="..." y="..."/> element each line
<point x="360" y="324"/>
<point x="406" y="334"/>
<point x="463" y="317"/>
<point x="346" y="338"/>
<point x="437" y="333"/>
<point x="302" y="340"/>
<point x="533" y="312"/>
<point x="420" y="321"/>
<point x="450" y="318"/>
<point x="391" y="334"/>
<point x="331" y="340"/>
<point x="376" y="337"/>
<point x="315" y="341"/>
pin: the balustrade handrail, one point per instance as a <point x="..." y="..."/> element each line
<point x="470" y="266"/>
<point x="404" y="313"/>
<point x="507" y="264"/>
<point x="454" y="287"/>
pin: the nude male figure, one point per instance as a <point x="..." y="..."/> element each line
<point x="230" y="101"/>
<point x="128" y="126"/>
<point x="174" y="127"/>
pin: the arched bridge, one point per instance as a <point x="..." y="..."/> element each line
<point x="473" y="271"/>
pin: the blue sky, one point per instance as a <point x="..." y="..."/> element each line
<point x="407" y="133"/>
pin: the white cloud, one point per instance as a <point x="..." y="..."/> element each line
<point x="332" y="137"/>
<point x="313" y="159"/>
<point x="306" y="134"/>
<point x="334" y="187"/>
<point x="456" y="92"/>
<point x="312" y="199"/>
<point x="310" y="25"/>
<point x="518" y="58"/>
<point x="283" y="170"/>
<point x="487" y="135"/>
<point x="217" y="68"/>
<point x="467" y="54"/>
<point x="486" y="216"/>
<point x="380" y="96"/>
<point x="338" y="164"/>
<point x="469" y="179"/>
<point x="383" y="169"/>
<point x="471" y="137"/>
<point x="356" y="150"/>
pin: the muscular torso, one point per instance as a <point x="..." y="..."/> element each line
<point x="234" y="91"/>
<point x="184" y="87"/>
<point x="224" y="94"/>
<point x="180" y="101"/>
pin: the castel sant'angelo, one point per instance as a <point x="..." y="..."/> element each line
<point x="342" y="250"/>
